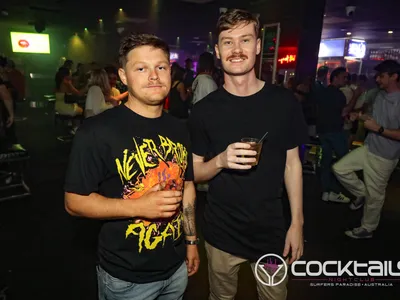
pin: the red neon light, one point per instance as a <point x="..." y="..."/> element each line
<point x="287" y="59"/>
<point x="23" y="43"/>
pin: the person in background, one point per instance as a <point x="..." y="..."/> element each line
<point x="353" y="81"/>
<point x="218" y="76"/>
<point x="113" y="80"/>
<point x="17" y="81"/>
<point x="188" y="76"/>
<point x="332" y="110"/>
<point x="99" y="98"/>
<point x="147" y="243"/>
<point x="380" y="155"/>
<point x="80" y="78"/>
<point x="243" y="217"/>
<point x="349" y="92"/>
<point x="178" y="104"/>
<point x="204" y="83"/>
<point x="68" y="64"/>
<point x="64" y="86"/>
<point x="8" y="108"/>
<point x="317" y="89"/>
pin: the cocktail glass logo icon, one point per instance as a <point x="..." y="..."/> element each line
<point x="268" y="267"/>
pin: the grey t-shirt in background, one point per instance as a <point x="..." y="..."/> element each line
<point x="386" y="112"/>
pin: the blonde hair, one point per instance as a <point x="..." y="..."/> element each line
<point x="99" y="78"/>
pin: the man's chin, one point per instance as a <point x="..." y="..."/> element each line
<point x="237" y="72"/>
<point x="155" y="101"/>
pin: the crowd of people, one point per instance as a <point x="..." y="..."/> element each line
<point x="135" y="166"/>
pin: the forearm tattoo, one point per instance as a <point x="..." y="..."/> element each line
<point x="189" y="219"/>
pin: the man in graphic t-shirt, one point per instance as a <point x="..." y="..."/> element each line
<point x="130" y="166"/>
<point x="243" y="218"/>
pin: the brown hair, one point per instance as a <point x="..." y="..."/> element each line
<point x="99" y="77"/>
<point x="133" y="41"/>
<point x="234" y="17"/>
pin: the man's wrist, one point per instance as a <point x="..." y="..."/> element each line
<point x="297" y="223"/>
<point x="191" y="237"/>
<point x="381" y="130"/>
<point x="218" y="162"/>
<point x="128" y="208"/>
<point x="189" y="241"/>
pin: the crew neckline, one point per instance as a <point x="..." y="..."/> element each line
<point x="245" y="97"/>
<point x="127" y="109"/>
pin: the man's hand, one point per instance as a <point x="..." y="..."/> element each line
<point x="10" y="121"/>
<point x="371" y="125"/>
<point x="234" y="157"/>
<point x="192" y="259"/>
<point x="294" y="242"/>
<point x="157" y="203"/>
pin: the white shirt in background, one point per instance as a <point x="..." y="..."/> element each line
<point x="202" y="86"/>
<point x="95" y="101"/>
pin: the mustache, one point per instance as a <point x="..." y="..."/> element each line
<point x="155" y="84"/>
<point x="241" y="56"/>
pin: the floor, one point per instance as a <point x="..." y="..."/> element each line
<point x="46" y="254"/>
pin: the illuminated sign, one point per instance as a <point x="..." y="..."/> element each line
<point x="30" y="42"/>
<point x="173" y="56"/>
<point x="331" y="48"/>
<point x="287" y="59"/>
<point x="356" y="49"/>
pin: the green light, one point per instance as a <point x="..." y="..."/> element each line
<point x="85" y="29"/>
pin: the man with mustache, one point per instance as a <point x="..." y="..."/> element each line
<point x="129" y="167"/>
<point x="243" y="217"/>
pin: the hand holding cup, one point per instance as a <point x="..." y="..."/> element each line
<point x="237" y="156"/>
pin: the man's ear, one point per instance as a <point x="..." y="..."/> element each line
<point x="122" y="75"/>
<point x="217" y="51"/>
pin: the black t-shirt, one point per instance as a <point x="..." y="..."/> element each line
<point x="243" y="215"/>
<point x="120" y="154"/>
<point x="330" y="103"/>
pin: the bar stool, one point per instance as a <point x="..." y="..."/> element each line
<point x="13" y="186"/>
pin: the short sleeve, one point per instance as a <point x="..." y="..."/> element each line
<point x="189" y="174"/>
<point x="94" y="100"/>
<point x="86" y="167"/>
<point x="297" y="130"/>
<point x="198" y="135"/>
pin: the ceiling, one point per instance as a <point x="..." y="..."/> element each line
<point x="371" y="21"/>
<point x="192" y="20"/>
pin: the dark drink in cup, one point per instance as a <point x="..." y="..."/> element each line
<point x="256" y="146"/>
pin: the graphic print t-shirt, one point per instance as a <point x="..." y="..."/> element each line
<point x="120" y="154"/>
